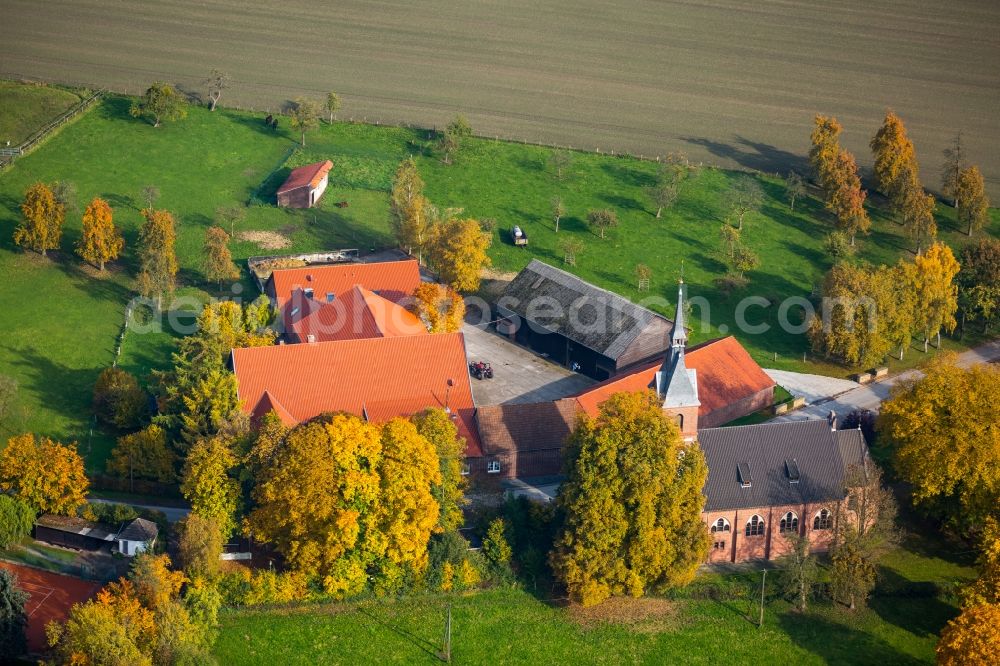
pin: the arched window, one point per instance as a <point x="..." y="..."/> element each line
<point x="823" y="520"/>
<point x="789" y="523"/>
<point x="680" y="422"/>
<point x="721" y="525"/>
<point x="755" y="526"/>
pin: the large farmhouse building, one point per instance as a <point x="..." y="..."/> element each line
<point x="375" y="378"/>
<point x="345" y="301"/>
<point x="304" y="185"/>
<point x="579" y="325"/>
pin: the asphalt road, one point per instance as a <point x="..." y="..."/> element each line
<point x="870" y="396"/>
<point x="173" y="513"/>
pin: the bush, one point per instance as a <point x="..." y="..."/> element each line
<point x="258" y="588"/>
<point x="16" y="519"/>
<point x="118" y="400"/>
<point x="112" y="514"/>
<point x="838" y="245"/>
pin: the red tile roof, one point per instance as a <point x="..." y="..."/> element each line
<point x="394" y="280"/>
<point x="357" y="314"/>
<point x="380" y="377"/>
<point x="726" y="374"/>
<point x="310" y="174"/>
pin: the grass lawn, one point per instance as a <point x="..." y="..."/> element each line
<point x="26" y="108"/>
<point x="511" y="626"/>
<point x="62" y="318"/>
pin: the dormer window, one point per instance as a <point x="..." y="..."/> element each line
<point x="792" y="470"/>
<point x="309" y="292"/>
<point x="743" y="473"/>
<point x="330" y="296"/>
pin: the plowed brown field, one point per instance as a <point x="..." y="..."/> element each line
<point x="733" y="82"/>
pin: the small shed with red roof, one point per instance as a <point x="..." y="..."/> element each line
<point x="305" y="185"/>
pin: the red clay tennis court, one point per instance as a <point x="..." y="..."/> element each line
<point x="51" y="596"/>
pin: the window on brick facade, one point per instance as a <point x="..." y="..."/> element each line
<point x="721" y="525"/>
<point x="823" y="520"/>
<point x="755" y="526"/>
<point x="719" y="545"/>
<point x="789" y="523"/>
<point x="493" y="467"/>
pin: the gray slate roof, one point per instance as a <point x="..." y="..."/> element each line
<point x="817" y="452"/>
<point x="139" y="529"/>
<point x="624" y="320"/>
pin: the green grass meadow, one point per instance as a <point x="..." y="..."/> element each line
<point x="27" y="108"/>
<point x="62" y="318"/>
<point x="900" y="625"/>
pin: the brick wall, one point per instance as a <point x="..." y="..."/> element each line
<point x="748" y="405"/>
<point x="735" y="546"/>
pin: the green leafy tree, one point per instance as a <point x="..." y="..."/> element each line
<point x="454" y="135"/>
<point x="838" y="245"/>
<point x="795" y="188"/>
<point x="799" y="571"/>
<point x="410" y="222"/>
<point x="13" y="617"/>
<point x="16" y="519"/>
<point x="332" y="104"/>
<point x="157" y="259"/>
<point x="304" y="114"/>
<point x="118" y="399"/>
<point x="206" y="483"/>
<point x="496" y="544"/>
<point x="143" y="455"/>
<point x="852" y="576"/>
<point x="42" y="219"/>
<point x="160" y="102"/>
<point x="439" y="429"/>
<point x="632" y="501"/>
<point x="199" y="545"/>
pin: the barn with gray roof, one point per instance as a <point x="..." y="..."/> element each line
<point x="578" y="324"/>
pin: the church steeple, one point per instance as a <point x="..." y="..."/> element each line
<point x="677" y="386"/>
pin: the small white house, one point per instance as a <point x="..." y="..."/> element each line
<point x="137" y="537"/>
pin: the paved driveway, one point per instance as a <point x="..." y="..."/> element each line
<point x="870" y="396"/>
<point x="519" y="374"/>
<point x="811" y="387"/>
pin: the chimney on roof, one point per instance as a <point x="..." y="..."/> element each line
<point x="832" y="420"/>
<point x="310" y="338"/>
<point x="309" y="277"/>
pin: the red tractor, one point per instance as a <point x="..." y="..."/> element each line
<point x="481" y="370"/>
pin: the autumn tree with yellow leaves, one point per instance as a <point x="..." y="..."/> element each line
<point x="143" y="455"/>
<point x="972" y="203"/>
<point x="972" y="638"/>
<point x="46" y="474"/>
<point x="632" y="501"/>
<point x="917" y="210"/>
<point x="100" y="239"/>
<point x="936" y="292"/>
<point x="438" y="428"/>
<point x="43" y="216"/>
<point x="217" y="260"/>
<point x="343" y="498"/>
<point x="895" y="159"/>
<point x="825" y="149"/>
<point x="458" y="252"/>
<point x="439" y="307"/>
<point x="845" y="198"/>
<point x="944" y="429"/>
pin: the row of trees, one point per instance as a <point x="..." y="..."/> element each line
<point x="867" y="311"/>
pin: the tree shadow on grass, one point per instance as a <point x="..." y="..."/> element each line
<point x="416" y="641"/>
<point x="623" y="203"/>
<point x="627" y="175"/>
<point x="838" y="643"/>
<point x="753" y="154"/>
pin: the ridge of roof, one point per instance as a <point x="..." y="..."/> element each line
<point x="307" y="174"/>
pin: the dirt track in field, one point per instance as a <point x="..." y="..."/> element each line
<point x="732" y="82"/>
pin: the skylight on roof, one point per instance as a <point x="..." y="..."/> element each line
<point x="538" y="282"/>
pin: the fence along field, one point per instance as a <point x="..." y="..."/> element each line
<point x="731" y="82"/>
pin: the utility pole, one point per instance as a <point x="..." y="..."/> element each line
<point x="763" y="578"/>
